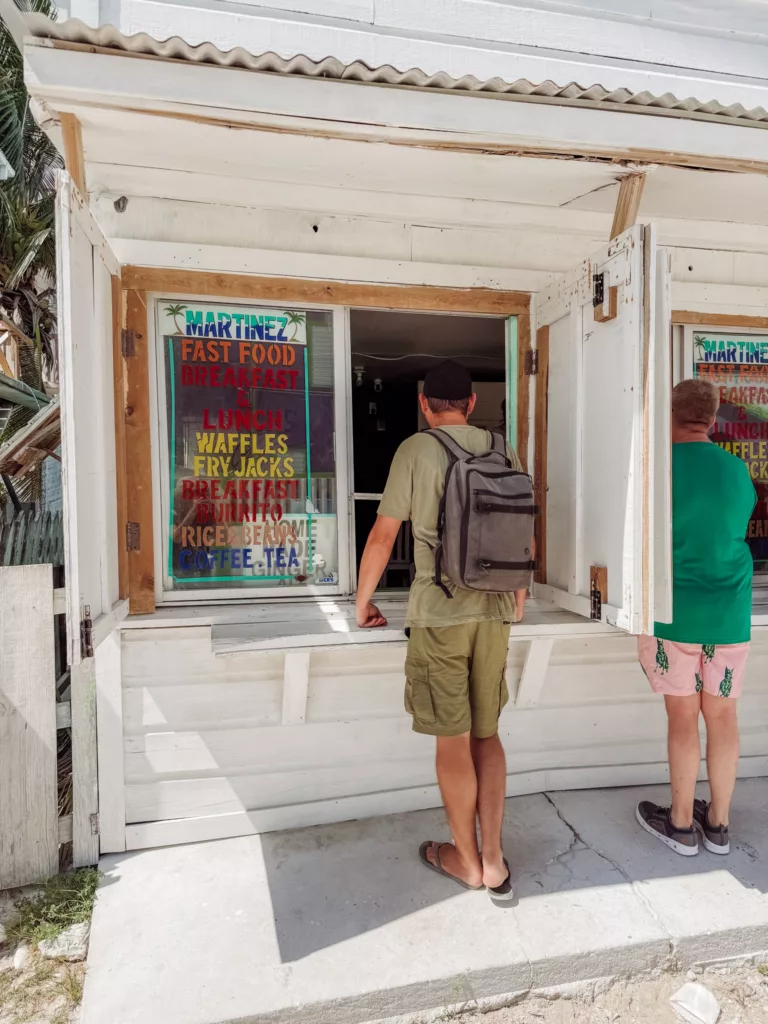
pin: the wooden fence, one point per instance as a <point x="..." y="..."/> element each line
<point x="32" y="539"/>
<point x="29" y="719"/>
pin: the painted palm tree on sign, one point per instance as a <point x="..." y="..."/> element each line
<point x="175" y="311"/>
<point x="295" y="320"/>
<point x="699" y="346"/>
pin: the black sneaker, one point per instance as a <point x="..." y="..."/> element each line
<point x="657" y="821"/>
<point x="715" y="837"/>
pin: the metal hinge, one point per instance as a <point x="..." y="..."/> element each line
<point x="86" y="634"/>
<point x="133" y="536"/>
<point x="598" y="590"/>
<point x="598" y="289"/>
<point x="128" y="340"/>
<point x="531" y="362"/>
<point x="95" y="825"/>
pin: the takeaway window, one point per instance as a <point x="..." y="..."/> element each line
<point x="249" y="462"/>
<point x="738" y="364"/>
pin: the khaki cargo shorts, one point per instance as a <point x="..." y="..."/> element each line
<point x="455" y="678"/>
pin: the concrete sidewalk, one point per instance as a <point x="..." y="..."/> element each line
<point x="342" y="924"/>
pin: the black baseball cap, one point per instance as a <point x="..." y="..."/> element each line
<point x="449" y="381"/>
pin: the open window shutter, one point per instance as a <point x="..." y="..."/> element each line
<point x="511" y="361"/>
<point x="658" y="541"/>
<point x="88" y="290"/>
<point x="600" y="447"/>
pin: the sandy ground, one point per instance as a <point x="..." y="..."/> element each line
<point x="742" y="994"/>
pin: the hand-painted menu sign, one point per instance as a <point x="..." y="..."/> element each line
<point x="738" y="365"/>
<point x="242" y="496"/>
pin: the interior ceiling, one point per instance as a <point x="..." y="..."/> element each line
<point x="477" y="342"/>
<point x="124" y="149"/>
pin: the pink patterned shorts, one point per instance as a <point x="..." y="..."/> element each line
<point x="680" y="670"/>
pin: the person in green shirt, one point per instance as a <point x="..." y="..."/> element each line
<point x="457" y="647"/>
<point x="698" y="660"/>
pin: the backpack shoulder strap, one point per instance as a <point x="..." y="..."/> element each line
<point x="499" y="446"/>
<point x="455" y="452"/>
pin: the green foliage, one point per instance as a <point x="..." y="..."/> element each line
<point x="63" y="901"/>
<point x="27" y="211"/>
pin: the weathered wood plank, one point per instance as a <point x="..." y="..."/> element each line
<point x="141" y="557"/>
<point x="683" y="316"/>
<point x="74" y="161"/>
<point x="295" y="687"/>
<point x="121" y="477"/>
<point x="279" y="289"/>
<point x="523" y="388"/>
<point x="628" y="203"/>
<point x="65" y="828"/>
<point x="540" y="455"/>
<point x="63" y="715"/>
<point x="85" y="795"/>
<point x="28" y="797"/>
<point x="109" y="717"/>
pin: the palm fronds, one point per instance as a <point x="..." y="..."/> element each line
<point x="27" y="208"/>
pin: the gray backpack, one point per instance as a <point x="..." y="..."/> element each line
<point x="485" y="521"/>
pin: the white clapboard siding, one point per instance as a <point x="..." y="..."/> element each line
<point x="293" y="748"/>
<point x="188" y="798"/>
<point x="226" y="705"/>
<point x="358" y="686"/>
<point x="171" y="656"/>
<point x="206" y="754"/>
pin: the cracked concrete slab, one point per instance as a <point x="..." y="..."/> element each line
<point x="710" y="906"/>
<point x="341" y="923"/>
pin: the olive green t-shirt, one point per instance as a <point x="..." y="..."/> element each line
<point x="712" y="501"/>
<point x="414" y="488"/>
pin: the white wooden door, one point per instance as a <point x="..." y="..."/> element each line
<point x="603" y="436"/>
<point x="85" y="266"/>
<point x="85" y="270"/>
<point x="511" y="374"/>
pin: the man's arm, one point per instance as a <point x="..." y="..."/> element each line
<point x="377" y="552"/>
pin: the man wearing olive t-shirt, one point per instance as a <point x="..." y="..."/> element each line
<point x="698" y="660"/>
<point x="458" y="646"/>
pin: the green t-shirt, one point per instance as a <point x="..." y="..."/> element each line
<point x="712" y="502"/>
<point x="414" y="489"/>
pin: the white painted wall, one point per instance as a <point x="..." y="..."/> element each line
<point x="206" y="755"/>
<point x="410" y="250"/>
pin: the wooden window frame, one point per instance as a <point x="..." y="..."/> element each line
<point x="132" y="376"/>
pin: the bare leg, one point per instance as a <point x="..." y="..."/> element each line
<point x="722" y="753"/>
<point x="491" y="769"/>
<point x="458" y="788"/>
<point x="684" y="755"/>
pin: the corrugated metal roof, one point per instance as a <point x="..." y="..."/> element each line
<point x="109" y="38"/>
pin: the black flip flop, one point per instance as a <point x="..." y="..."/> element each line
<point x="505" y="890"/>
<point x="438" y="868"/>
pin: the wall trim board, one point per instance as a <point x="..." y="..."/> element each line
<point x="523" y="388"/>
<point x="540" y="451"/>
<point x="176" y="831"/>
<point x="138" y="454"/>
<point x="120" y="385"/>
<point x="427" y="298"/>
<point x="688" y="317"/>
